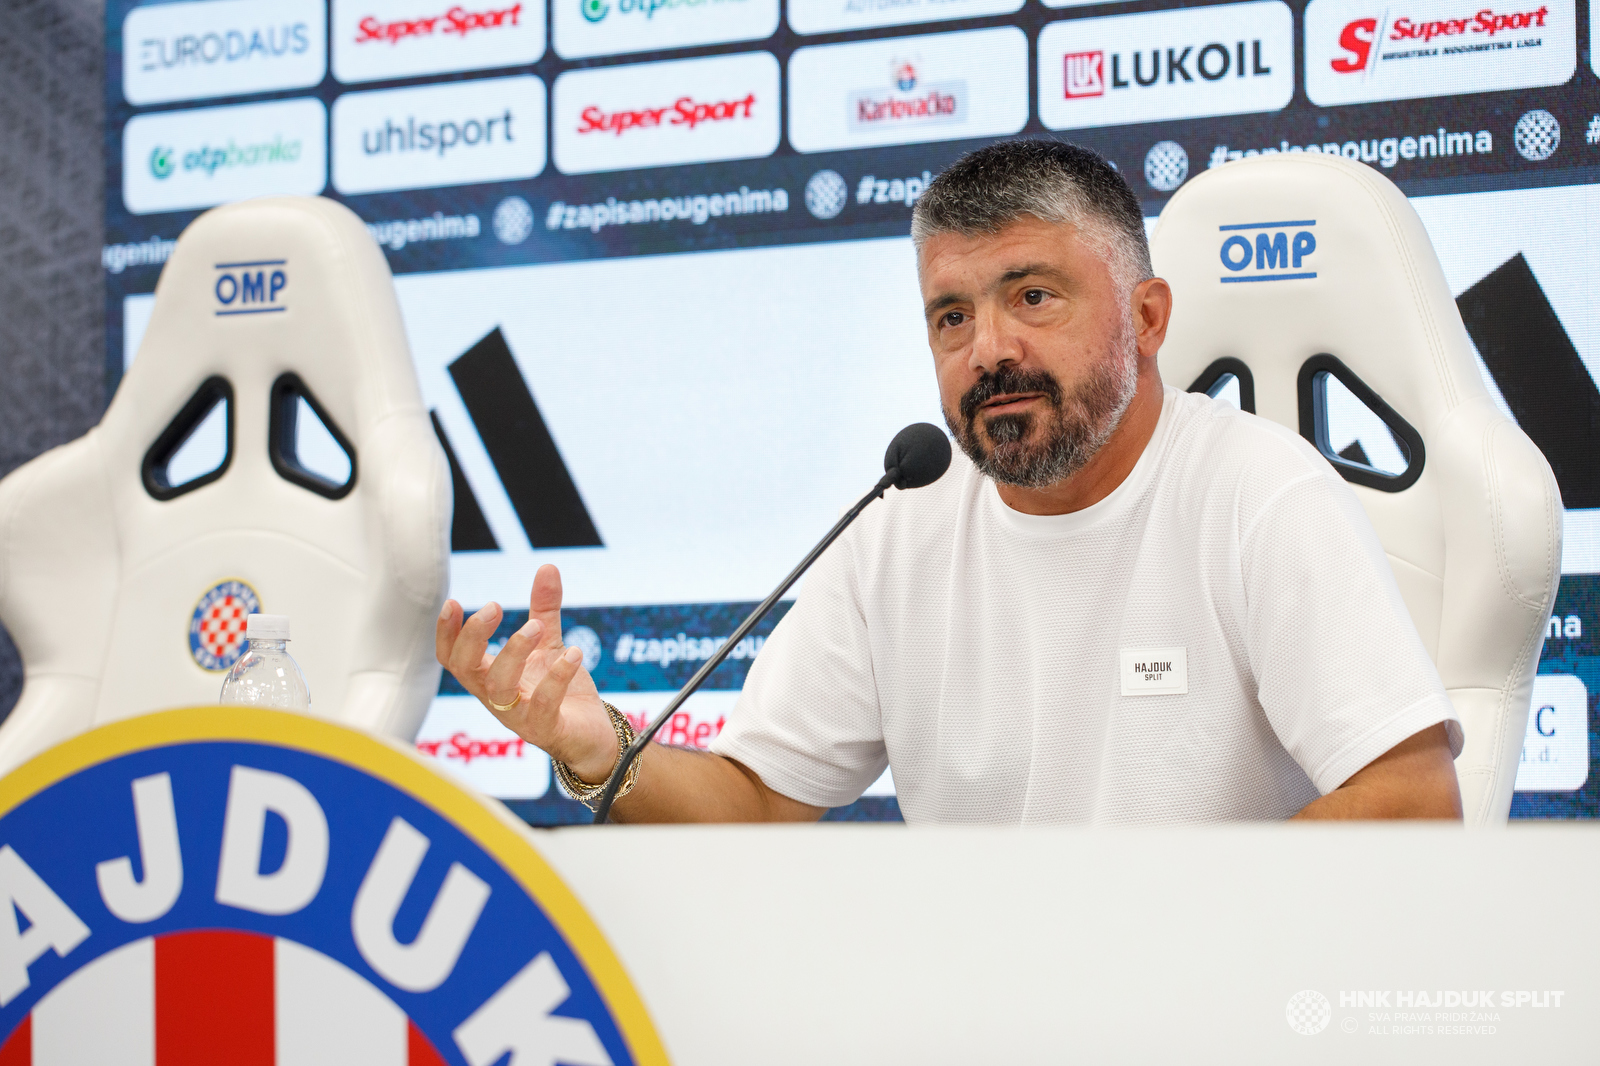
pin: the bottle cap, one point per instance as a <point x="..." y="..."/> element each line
<point x="267" y="627"/>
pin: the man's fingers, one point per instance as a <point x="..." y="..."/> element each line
<point x="503" y="683"/>
<point x="472" y="643"/>
<point x="444" y="634"/>
<point x="544" y="604"/>
<point x="552" y="687"/>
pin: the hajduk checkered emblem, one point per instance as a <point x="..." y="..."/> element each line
<point x="216" y="629"/>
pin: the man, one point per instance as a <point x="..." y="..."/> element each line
<point x="1127" y="604"/>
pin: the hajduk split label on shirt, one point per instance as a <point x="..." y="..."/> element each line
<point x="1155" y="671"/>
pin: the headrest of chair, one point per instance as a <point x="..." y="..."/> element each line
<point x="258" y="290"/>
<point x="1277" y="260"/>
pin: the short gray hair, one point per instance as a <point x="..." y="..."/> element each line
<point x="987" y="190"/>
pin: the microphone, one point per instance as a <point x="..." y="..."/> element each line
<point x="919" y="455"/>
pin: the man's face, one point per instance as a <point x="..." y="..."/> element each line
<point x="1033" y="344"/>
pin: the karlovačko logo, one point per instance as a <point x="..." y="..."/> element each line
<point x="904" y="103"/>
<point x="684" y="111"/>
<point x="457" y="21"/>
<point x="399" y="920"/>
<point x="216" y="627"/>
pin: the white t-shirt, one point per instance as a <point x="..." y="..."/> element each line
<point x="1014" y="668"/>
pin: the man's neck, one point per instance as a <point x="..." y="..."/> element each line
<point x="1109" y="467"/>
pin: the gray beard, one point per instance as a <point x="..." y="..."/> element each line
<point x="1079" y="426"/>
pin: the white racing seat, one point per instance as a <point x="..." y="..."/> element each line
<point x="1308" y="283"/>
<point x="124" y="581"/>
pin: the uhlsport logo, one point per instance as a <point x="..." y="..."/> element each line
<point x="908" y="101"/>
<point x="399" y="920"/>
<point x="216" y="627"/>
<point x="1268" y="251"/>
<point x="250" y="287"/>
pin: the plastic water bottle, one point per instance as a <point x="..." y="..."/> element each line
<point x="265" y="675"/>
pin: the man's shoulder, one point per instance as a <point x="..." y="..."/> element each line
<point x="1211" y="440"/>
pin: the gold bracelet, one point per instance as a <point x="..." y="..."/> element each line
<point x="588" y="794"/>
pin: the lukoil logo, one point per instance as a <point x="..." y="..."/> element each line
<point x="457" y="133"/>
<point x="1085" y="74"/>
<point x="1161" y="65"/>
<point x="221" y="48"/>
<point x="1268" y="251"/>
<point x="180" y="160"/>
<point x="405" y="38"/>
<point x="1213" y="61"/>
<point x="250" y="288"/>
<point x="904" y="103"/>
<point x="1431" y="47"/>
<point x="662" y="114"/>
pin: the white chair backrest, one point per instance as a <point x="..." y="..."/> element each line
<point x="115" y="586"/>
<point x="1312" y="280"/>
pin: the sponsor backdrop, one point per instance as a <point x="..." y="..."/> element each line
<point x="667" y="238"/>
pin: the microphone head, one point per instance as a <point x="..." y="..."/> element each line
<point x="919" y="455"/>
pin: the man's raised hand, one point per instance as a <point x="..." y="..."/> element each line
<point x="535" y="686"/>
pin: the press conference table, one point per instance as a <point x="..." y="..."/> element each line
<point x="883" y="944"/>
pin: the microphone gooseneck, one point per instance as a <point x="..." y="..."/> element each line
<point x="919" y="455"/>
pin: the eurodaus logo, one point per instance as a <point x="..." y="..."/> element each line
<point x="221" y="48"/>
<point x="1359" y="35"/>
<point x="1268" y="251"/>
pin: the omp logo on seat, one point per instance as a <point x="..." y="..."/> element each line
<point x="251" y="288"/>
<point x="1268" y="251"/>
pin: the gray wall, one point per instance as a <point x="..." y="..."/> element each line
<point x="52" y="180"/>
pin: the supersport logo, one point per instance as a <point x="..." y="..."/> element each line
<point x="684" y="111"/>
<point x="1359" y="36"/>
<point x="457" y="20"/>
